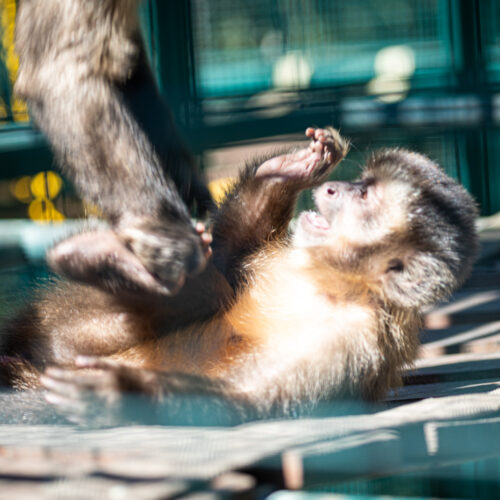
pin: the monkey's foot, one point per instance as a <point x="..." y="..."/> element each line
<point x="100" y="393"/>
<point x="329" y="143"/>
<point x="326" y="150"/>
<point x="139" y="259"/>
<point x="101" y="259"/>
<point x="170" y="252"/>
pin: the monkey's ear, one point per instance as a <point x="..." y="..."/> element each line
<point x="395" y="266"/>
<point x="418" y="279"/>
<point x="100" y="258"/>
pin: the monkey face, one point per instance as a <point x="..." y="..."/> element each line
<point x="354" y="214"/>
<point x="405" y="227"/>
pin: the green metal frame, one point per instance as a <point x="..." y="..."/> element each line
<point x="168" y="34"/>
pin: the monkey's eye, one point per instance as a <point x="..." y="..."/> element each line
<point x="367" y="183"/>
<point x="395" y="265"/>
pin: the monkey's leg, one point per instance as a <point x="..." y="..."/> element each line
<point x="114" y="166"/>
<point x="260" y="206"/>
<point x="142" y="97"/>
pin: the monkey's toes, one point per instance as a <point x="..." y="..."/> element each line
<point x="170" y="253"/>
<point x="206" y="239"/>
<point x="90" y="396"/>
<point x="329" y="143"/>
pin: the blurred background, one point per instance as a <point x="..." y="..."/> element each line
<point x="243" y="75"/>
<point x="246" y="76"/>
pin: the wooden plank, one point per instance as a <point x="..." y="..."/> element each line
<point x="423" y="391"/>
<point x="369" y="453"/>
<point x="454" y="367"/>
<point x="91" y="487"/>
<point x="44" y="463"/>
<point x="453" y="362"/>
<point x="338" y="446"/>
<point x="311" y="495"/>
<point x="467" y="307"/>
<point x="436" y="335"/>
<point x="483" y="279"/>
<point x="337" y="459"/>
<point x="488" y="344"/>
<point x="454" y="440"/>
<point x="456" y="339"/>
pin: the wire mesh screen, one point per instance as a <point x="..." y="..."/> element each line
<point x="490" y="18"/>
<point x="11" y="108"/>
<point x="246" y="46"/>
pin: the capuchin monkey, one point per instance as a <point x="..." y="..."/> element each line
<point x="328" y="312"/>
<point x="83" y="71"/>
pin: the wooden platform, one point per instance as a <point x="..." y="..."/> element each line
<point x="438" y="435"/>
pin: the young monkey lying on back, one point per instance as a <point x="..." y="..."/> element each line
<point x="275" y="323"/>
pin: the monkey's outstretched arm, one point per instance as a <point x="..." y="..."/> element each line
<point x="80" y="70"/>
<point x="259" y="208"/>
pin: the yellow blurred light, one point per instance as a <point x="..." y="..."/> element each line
<point x="293" y="70"/>
<point x="43" y="211"/>
<point x="220" y="187"/>
<point x="20" y="110"/>
<point x="3" y="109"/>
<point x="20" y="189"/>
<point x="7" y="30"/>
<point x="46" y="185"/>
<point x="394" y="67"/>
<point x="91" y="210"/>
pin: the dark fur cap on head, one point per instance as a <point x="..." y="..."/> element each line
<point x="441" y="227"/>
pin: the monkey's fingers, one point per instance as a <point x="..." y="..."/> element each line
<point x="329" y="143"/>
<point x="206" y="239"/>
<point x="117" y="378"/>
<point x="74" y="412"/>
<point x="76" y="385"/>
<point x="336" y="146"/>
<point x="83" y="396"/>
<point x="96" y="362"/>
<point x="200" y="227"/>
<point x="56" y="394"/>
<point x="57" y="383"/>
<point x="65" y="396"/>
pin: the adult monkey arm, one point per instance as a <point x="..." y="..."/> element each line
<point x="83" y="71"/>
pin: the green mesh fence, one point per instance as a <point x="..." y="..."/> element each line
<point x="248" y="46"/>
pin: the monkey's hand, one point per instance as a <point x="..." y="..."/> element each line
<point x="103" y="259"/>
<point x="311" y="165"/>
<point x="105" y="392"/>
<point x="95" y="393"/>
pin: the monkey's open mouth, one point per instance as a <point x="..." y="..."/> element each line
<point x="317" y="220"/>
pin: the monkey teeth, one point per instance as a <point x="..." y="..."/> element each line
<point x="317" y="220"/>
